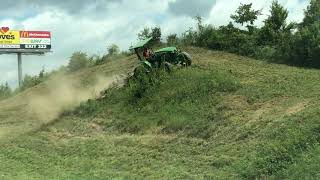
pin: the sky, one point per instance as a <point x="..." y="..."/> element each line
<point x="91" y="25"/>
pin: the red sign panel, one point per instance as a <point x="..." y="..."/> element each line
<point x="35" y="34"/>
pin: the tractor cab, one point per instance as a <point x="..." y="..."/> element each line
<point x="139" y="51"/>
<point x="140" y="47"/>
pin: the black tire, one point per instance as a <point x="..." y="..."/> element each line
<point x="138" y="71"/>
<point x="189" y="62"/>
<point x="185" y="59"/>
<point x="168" y="66"/>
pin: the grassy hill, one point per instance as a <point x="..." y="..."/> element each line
<point x="226" y="117"/>
<point x="40" y="105"/>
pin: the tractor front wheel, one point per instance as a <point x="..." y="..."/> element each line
<point x="139" y="71"/>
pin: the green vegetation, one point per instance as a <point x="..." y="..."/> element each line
<point x="168" y="101"/>
<point x="277" y="40"/>
<point x="78" y="60"/>
<point x="146" y="33"/>
<point x="113" y="50"/>
<point x="5" y="91"/>
<point x="31" y="81"/>
<point x="226" y="117"/>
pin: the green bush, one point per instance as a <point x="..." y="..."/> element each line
<point x="172" y="40"/>
<point x="5" y="91"/>
<point x="78" y="60"/>
<point x="307" y="46"/>
<point x="265" y="52"/>
<point x="31" y="81"/>
<point x="87" y="108"/>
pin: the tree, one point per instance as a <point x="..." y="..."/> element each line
<point x="246" y="15"/>
<point x="275" y="25"/>
<point x="77" y="61"/>
<point x="189" y="37"/>
<point x="199" y="23"/>
<point x="42" y="74"/>
<point x="113" y="49"/>
<point x="172" y="39"/>
<point x="306" y="48"/>
<point x="156" y="33"/>
<point x="200" y="38"/>
<point x="312" y="14"/>
<point x="144" y="34"/>
<point x="277" y="20"/>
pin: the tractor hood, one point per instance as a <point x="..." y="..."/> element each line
<point x="167" y="49"/>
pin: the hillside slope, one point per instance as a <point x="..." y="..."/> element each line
<point x="42" y="104"/>
<point x="225" y="117"/>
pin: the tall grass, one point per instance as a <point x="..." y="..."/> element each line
<point x="185" y="100"/>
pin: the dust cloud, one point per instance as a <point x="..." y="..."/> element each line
<point x="62" y="93"/>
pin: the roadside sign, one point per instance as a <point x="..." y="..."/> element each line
<point x="24" y="41"/>
<point x="8" y="37"/>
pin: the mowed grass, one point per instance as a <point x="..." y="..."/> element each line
<point x="226" y="117"/>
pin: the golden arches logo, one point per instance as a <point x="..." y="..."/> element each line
<point x="24" y="34"/>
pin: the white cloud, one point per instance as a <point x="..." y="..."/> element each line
<point x="191" y="7"/>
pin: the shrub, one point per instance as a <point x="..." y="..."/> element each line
<point x="31" y="81"/>
<point x="113" y="49"/>
<point x="77" y="61"/>
<point x="172" y="39"/>
<point x="5" y="91"/>
<point x="265" y="52"/>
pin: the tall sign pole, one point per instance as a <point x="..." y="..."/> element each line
<point x="24" y="43"/>
<point x="20" y="68"/>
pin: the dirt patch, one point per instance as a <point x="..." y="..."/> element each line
<point x="263" y="108"/>
<point x="276" y="109"/>
<point x="296" y="108"/>
<point x="235" y="102"/>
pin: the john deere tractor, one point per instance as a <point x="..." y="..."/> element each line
<point x="166" y="58"/>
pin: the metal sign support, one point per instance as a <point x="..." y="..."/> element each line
<point x="19" y="54"/>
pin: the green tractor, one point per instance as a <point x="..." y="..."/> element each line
<point x="167" y="58"/>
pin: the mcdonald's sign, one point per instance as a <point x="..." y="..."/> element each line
<point x="35" y="34"/>
<point x="24" y="34"/>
